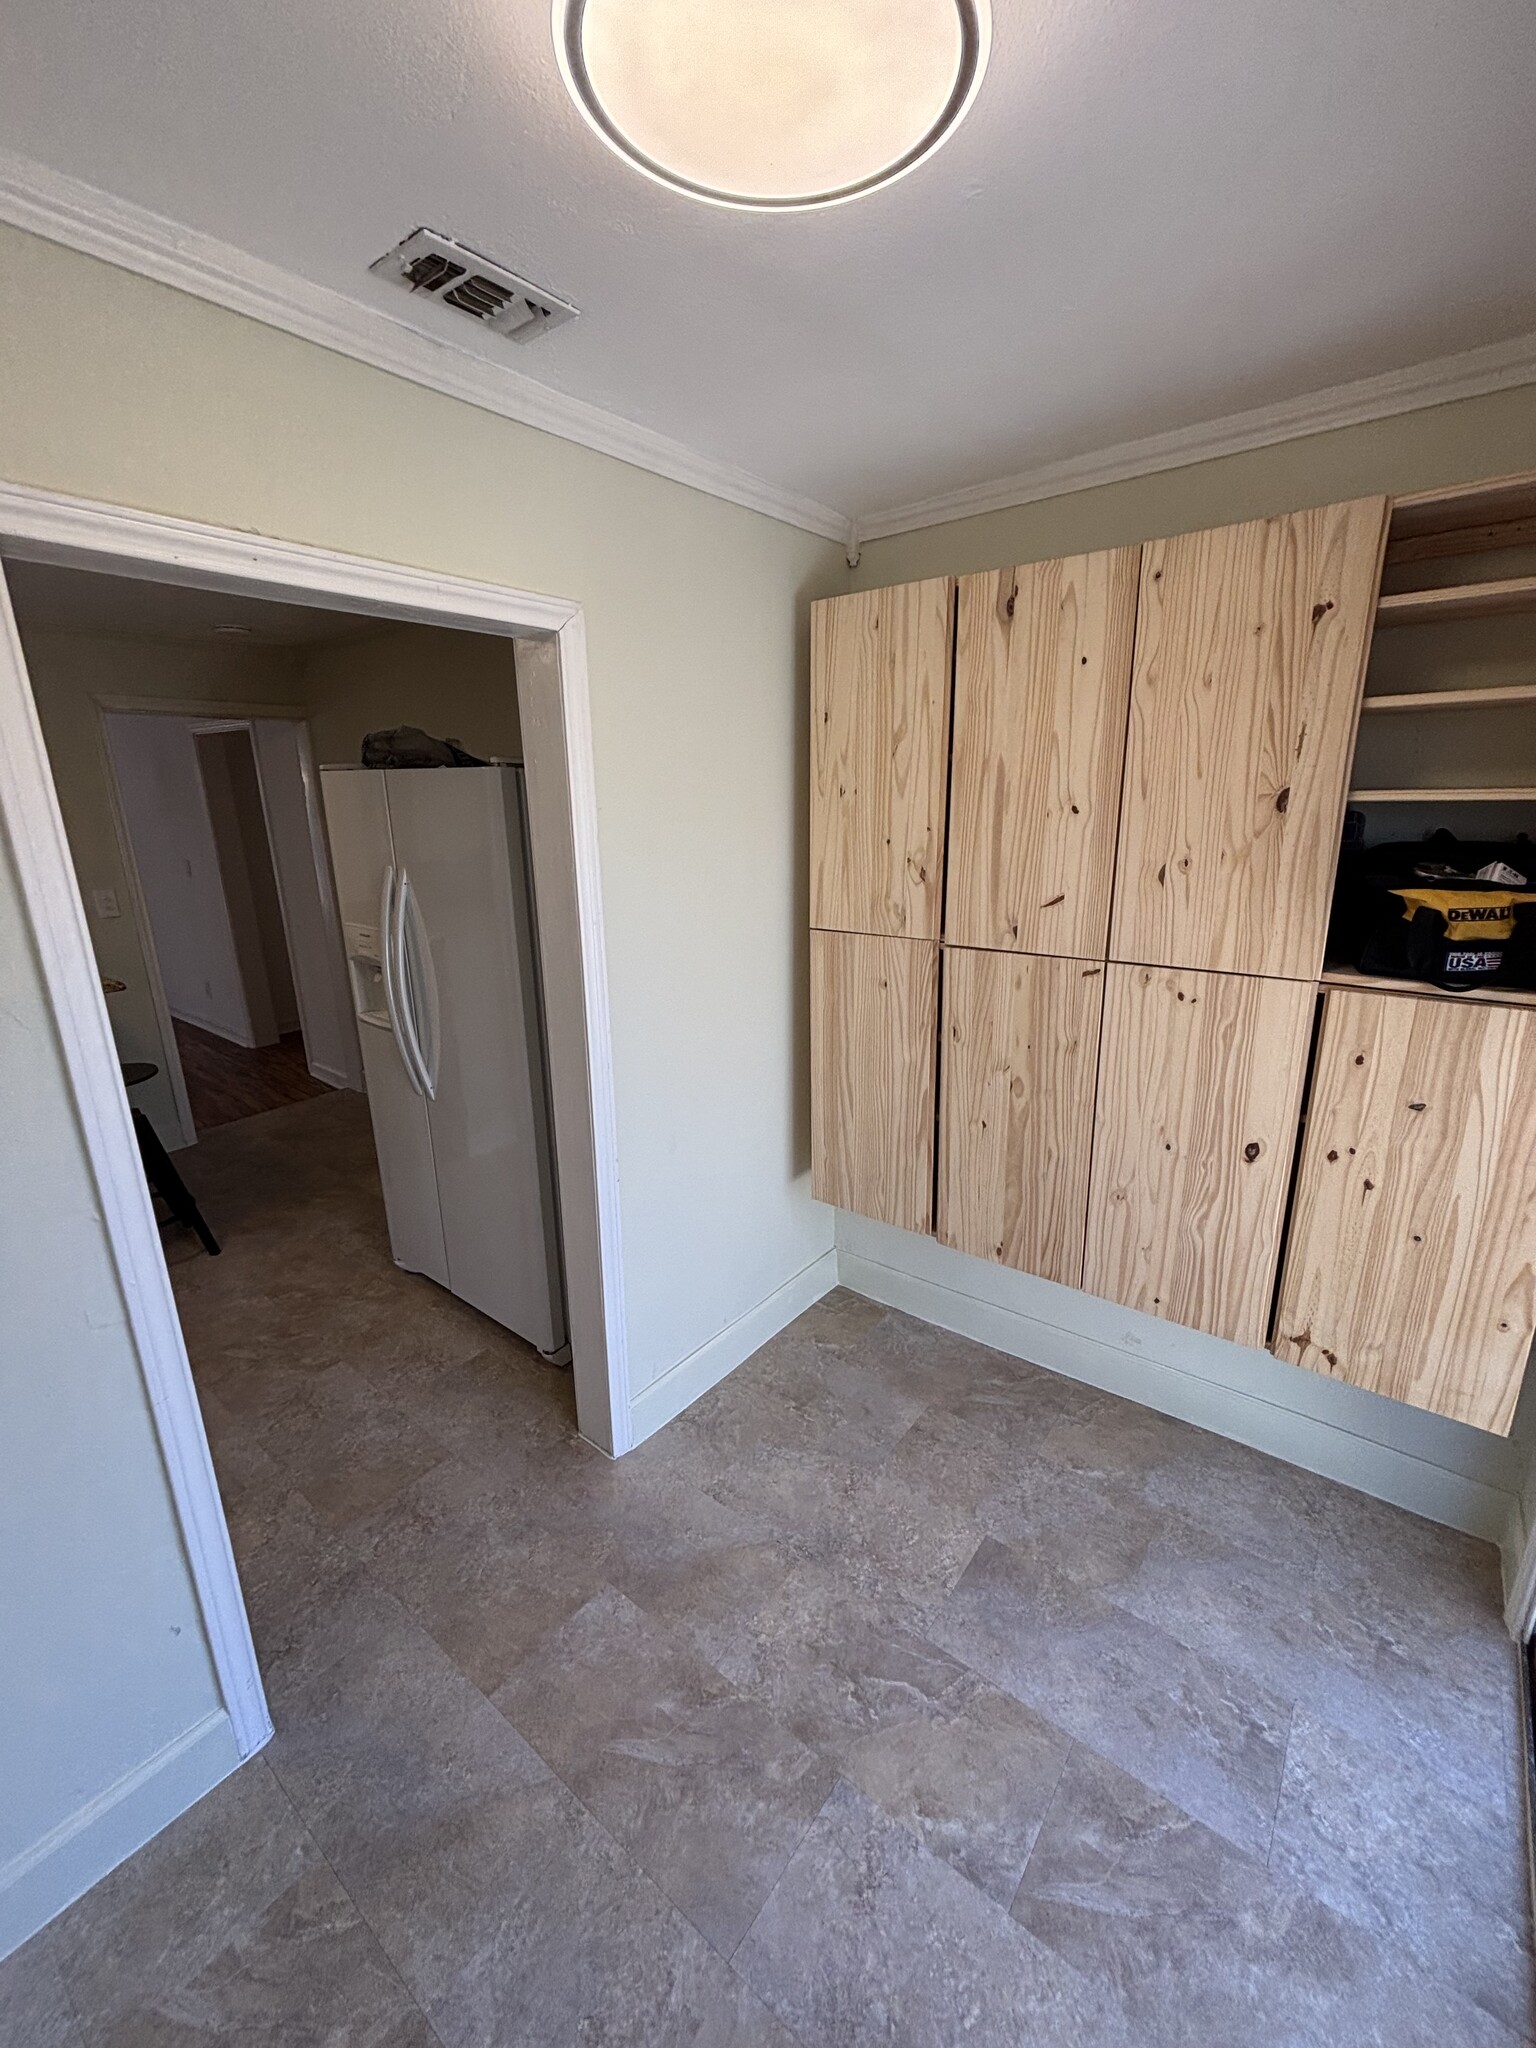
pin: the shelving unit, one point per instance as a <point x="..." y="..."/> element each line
<point x="1443" y="796"/>
<point x="1457" y="601"/>
<point x="1453" y="700"/>
<point x="1454" y="527"/>
<point x="1350" y="977"/>
<point x="1474" y="519"/>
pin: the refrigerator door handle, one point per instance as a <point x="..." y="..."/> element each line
<point x="406" y="909"/>
<point x="389" y="906"/>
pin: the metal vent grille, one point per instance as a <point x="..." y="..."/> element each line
<point x="432" y="266"/>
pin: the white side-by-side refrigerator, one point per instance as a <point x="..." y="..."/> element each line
<point x="432" y="882"/>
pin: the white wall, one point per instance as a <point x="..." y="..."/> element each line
<point x="69" y="672"/>
<point x="226" y="760"/>
<point x="160" y="783"/>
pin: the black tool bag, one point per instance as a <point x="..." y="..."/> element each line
<point x="407" y="746"/>
<point x="1419" y="910"/>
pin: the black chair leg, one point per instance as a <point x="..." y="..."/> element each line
<point x="168" y="1183"/>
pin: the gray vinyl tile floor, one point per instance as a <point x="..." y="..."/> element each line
<point x="897" y="1693"/>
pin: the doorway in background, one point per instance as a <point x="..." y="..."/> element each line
<point x="199" y="839"/>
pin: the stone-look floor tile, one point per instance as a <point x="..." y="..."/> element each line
<point x="971" y="1777"/>
<point x="1346" y="1663"/>
<point x="601" y="1958"/>
<point x="462" y="1556"/>
<point x="841" y="1317"/>
<point x="684" y="1556"/>
<point x="306" y="1973"/>
<point x="706" y="1791"/>
<point x="444" y="1826"/>
<point x="1198" y="1940"/>
<point x="1204" y="1735"/>
<point x="1403" y="1560"/>
<point x="833" y="1665"/>
<point x="737" y="2018"/>
<point x="306" y="1596"/>
<point x="160" y="1918"/>
<point x="840" y="1400"/>
<point x="867" y="1938"/>
<point x="1364" y="1828"/>
<point x="476" y="1401"/>
<point x="345" y="1447"/>
<point x="513" y="1917"/>
<point x="1006" y="1397"/>
<point x="35" y="2008"/>
<point x="801" y="1529"/>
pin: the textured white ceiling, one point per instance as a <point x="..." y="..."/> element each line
<point x="1154" y="216"/>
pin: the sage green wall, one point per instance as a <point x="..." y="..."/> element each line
<point x="104" y="1666"/>
<point x="1416" y="451"/>
<point x="118" y="389"/>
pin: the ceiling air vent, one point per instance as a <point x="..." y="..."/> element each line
<point x="433" y="267"/>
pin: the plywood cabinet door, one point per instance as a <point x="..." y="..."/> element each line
<point x="874" y="1032"/>
<point x="1019" y="1047"/>
<point x="1411" y="1264"/>
<point x="1200" y="1079"/>
<point x="880" y="691"/>
<point x="1042" y="675"/>
<point x="1251" y="644"/>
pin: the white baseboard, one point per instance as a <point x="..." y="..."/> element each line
<point x="702" y="1369"/>
<point x="1467" y="1481"/>
<point x="333" y="1077"/>
<point x="52" y="1873"/>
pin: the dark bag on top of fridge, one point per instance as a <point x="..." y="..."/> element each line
<point x="407" y="746"/>
<point x="1455" y="912"/>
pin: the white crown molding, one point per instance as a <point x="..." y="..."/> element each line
<point x="63" y="209"/>
<point x="1497" y="367"/>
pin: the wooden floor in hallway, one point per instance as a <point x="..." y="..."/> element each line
<point x="898" y="1693"/>
<point x="227" y="1082"/>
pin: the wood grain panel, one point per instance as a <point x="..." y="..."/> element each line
<point x="1020" y="1049"/>
<point x="1411" y="1264"/>
<point x="1200" y="1079"/>
<point x="874" y="1035"/>
<point x="1042" y="678"/>
<point x="1251" y="644"/>
<point x="880" y="691"/>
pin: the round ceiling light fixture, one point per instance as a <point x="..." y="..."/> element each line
<point x="773" y="104"/>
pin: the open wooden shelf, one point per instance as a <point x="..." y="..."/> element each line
<point x="1351" y="977"/>
<point x="1468" y="520"/>
<point x="1457" y="601"/>
<point x="1453" y="700"/>
<point x="1443" y="796"/>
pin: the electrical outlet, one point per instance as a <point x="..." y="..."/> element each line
<point x="104" y="903"/>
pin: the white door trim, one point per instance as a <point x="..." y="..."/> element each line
<point x="553" y="698"/>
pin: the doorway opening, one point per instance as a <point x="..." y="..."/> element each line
<point x="85" y="948"/>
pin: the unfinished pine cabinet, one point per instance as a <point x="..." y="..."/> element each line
<point x="1200" y="1079"/>
<point x="1411" y="1264"/>
<point x="880" y="691"/>
<point x="874" y="1033"/>
<point x="1019" y="1051"/>
<point x="1042" y="676"/>
<point x="1251" y="644"/>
